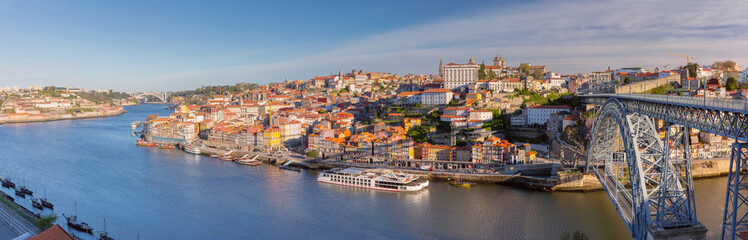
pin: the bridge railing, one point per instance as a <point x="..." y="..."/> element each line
<point x="740" y="105"/>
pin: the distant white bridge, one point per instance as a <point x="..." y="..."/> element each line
<point x="143" y="96"/>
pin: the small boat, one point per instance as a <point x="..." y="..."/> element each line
<point x="249" y="161"/>
<point x="44" y="201"/>
<point x="290" y="168"/>
<point x="78" y="225"/>
<point x="166" y="146"/>
<point x="461" y="183"/>
<point x="287" y="166"/>
<point x="103" y="235"/>
<point x="26" y="191"/>
<point x="20" y="193"/>
<point x="8" y="184"/>
<point x="227" y="156"/>
<point x="193" y="150"/>
<point x="36" y="204"/>
<point x="144" y="143"/>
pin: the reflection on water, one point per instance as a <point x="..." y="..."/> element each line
<point x="167" y="194"/>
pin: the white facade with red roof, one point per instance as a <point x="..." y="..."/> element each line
<point x="439" y="96"/>
<point x="460" y="75"/>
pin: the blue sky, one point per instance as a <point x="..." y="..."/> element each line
<point x="177" y="45"/>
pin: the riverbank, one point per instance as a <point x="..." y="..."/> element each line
<point x="560" y="182"/>
<point x="60" y="118"/>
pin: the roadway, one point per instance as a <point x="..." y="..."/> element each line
<point x="622" y="201"/>
<point x="11" y="219"/>
<point x="724" y="104"/>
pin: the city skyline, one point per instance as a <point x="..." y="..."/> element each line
<point x="160" y="46"/>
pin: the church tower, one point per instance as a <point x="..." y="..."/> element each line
<point x="499" y="61"/>
<point x="472" y="60"/>
<point x="441" y="68"/>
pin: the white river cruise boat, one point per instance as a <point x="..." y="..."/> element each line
<point x="379" y="179"/>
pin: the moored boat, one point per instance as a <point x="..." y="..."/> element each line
<point x="461" y="183"/>
<point x="26" y="191"/>
<point x="20" y="193"/>
<point x="287" y="166"/>
<point x="7" y="183"/>
<point x="249" y="161"/>
<point x="44" y="201"/>
<point x="104" y="235"/>
<point x="36" y="204"/>
<point x="191" y="149"/>
<point x="166" y="146"/>
<point x="74" y="223"/>
<point x="377" y="179"/>
<point x="78" y="225"/>
<point x="144" y="143"/>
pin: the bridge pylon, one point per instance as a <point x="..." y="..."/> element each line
<point x="735" y="217"/>
<point x="647" y="179"/>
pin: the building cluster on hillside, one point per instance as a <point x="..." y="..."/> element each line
<point x="38" y="103"/>
<point x="341" y="115"/>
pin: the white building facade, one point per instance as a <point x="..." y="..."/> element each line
<point x="460" y="75"/>
<point x="541" y="114"/>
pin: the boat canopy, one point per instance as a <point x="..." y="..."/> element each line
<point x="351" y="171"/>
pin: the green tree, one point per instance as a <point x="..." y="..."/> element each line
<point x="627" y="80"/>
<point x="731" y="84"/>
<point x="482" y="71"/>
<point x="524" y="68"/>
<point x="444" y="127"/>
<point x="47" y="221"/>
<point x="692" y="69"/>
<point x="491" y="75"/>
<point x="452" y="102"/>
<point x="312" y="154"/>
<point x="418" y="133"/>
<point x="578" y="235"/>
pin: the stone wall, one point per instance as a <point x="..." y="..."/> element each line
<point x="643" y="86"/>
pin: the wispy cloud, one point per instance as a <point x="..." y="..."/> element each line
<point x="569" y="37"/>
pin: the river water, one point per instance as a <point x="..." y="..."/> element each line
<point x="167" y="194"/>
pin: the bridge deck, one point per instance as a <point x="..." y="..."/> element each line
<point x="621" y="201"/>
<point x="721" y="104"/>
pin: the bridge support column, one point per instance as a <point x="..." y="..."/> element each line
<point x="735" y="218"/>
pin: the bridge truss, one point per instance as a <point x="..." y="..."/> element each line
<point x="649" y="189"/>
<point x="724" y="117"/>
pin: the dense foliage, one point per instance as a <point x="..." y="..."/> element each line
<point x="418" y="133"/>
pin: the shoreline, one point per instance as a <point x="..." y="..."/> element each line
<point x="52" y="119"/>
<point x="562" y="182"/>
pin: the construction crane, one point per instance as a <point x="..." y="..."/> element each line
<point x="688" y="58"/>
<point x="665" y="68"/>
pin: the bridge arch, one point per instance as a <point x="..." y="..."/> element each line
<point x="162" y="97"/>
<point x="630" y="160"/>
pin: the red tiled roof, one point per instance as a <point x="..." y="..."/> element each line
<point x="437" y="90"/>
<point x="54" y="233"/>
<point x="551" y="107"/>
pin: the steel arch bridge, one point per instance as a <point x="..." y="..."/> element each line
<point x="648" y="179"/>
<point x="162" y="96"/>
